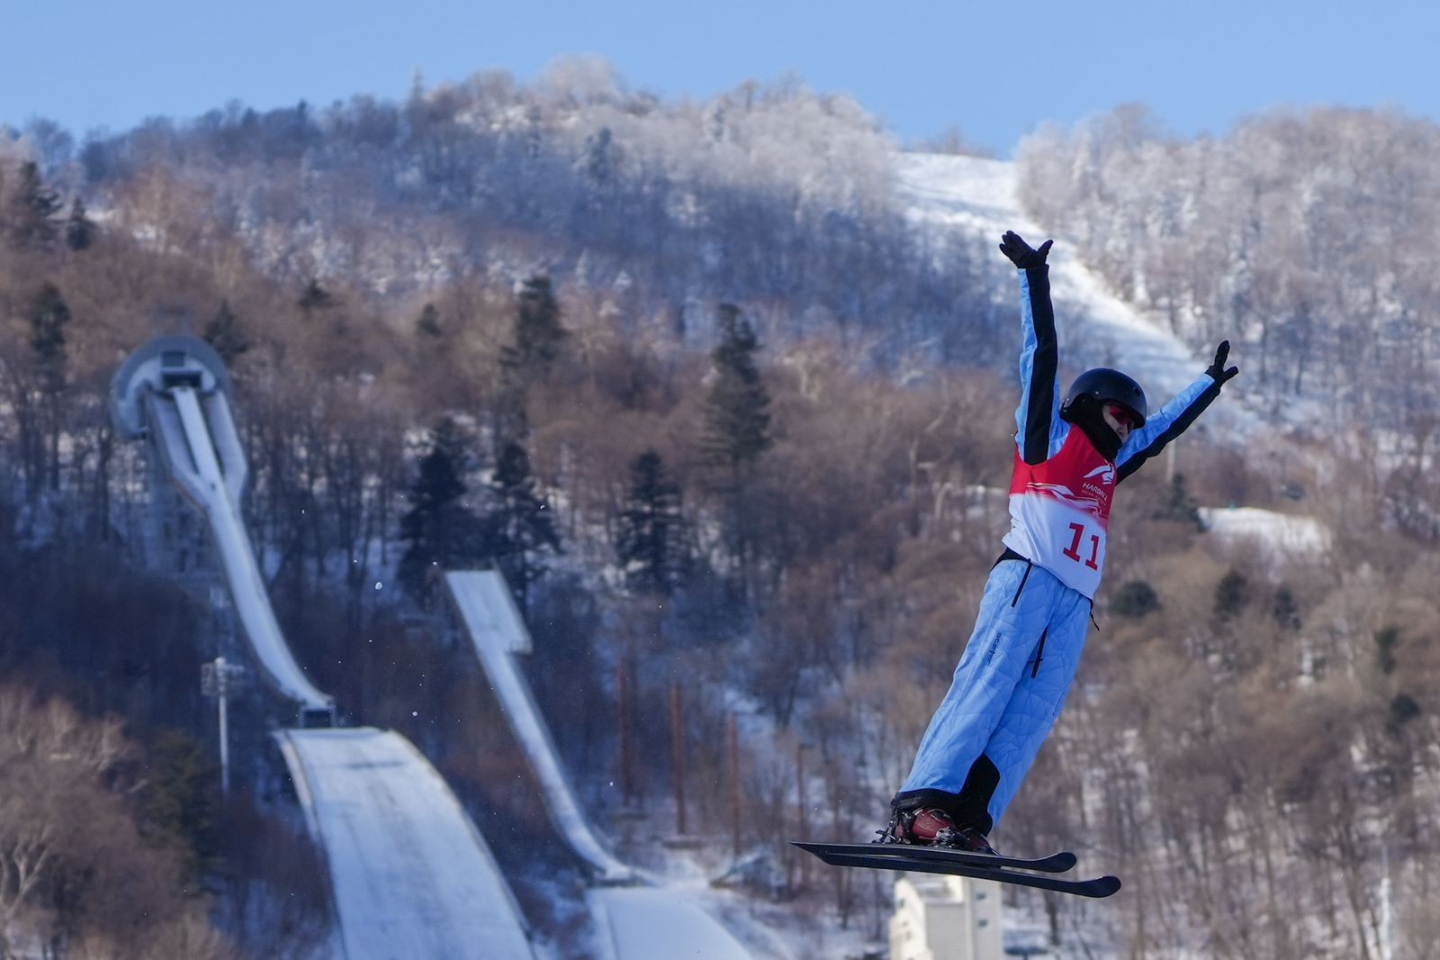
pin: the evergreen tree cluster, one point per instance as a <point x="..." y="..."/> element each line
<point x="31" y="211"/>
<point x="512" y="529"/>
<point x="31" y="214"/>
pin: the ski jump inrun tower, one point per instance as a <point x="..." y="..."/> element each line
<point x="173" y="392"/>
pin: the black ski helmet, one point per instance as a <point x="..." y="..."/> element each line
<point x="1109" y="386"/>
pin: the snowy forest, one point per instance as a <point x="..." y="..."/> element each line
<point x="733" y="427"/>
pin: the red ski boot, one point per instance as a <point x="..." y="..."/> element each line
<point x="933" y="827"/>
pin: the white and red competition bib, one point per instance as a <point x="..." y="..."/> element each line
<point x="1060" y="512"/>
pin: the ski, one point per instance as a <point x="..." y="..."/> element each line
<point x="1055" y="863"/>
<point x="1097" y="888"/>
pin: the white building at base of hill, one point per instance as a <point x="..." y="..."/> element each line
<point x="946" y="918"/>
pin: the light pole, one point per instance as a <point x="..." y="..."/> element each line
<point x="219" y="679"/>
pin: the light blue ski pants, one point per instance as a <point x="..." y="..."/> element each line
<point x="1009" y="686"/>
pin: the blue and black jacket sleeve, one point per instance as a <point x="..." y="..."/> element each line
<point x="1041" y="432"/>
<point x="1172" y="420"/>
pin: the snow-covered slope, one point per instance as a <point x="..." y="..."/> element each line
<point x="411" y="875"/>
<point x="978" y="199"/>
<point x="640" y="922"/>
<point x="1275" y="535"/>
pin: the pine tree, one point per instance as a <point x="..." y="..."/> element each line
<point x="79" y="228"/>
<point x="48" y="318"/>
<point x="1135" y="598"/>
<point x="224" y="334"/>
<point x="1285" y="609"/>
<point x="737" y="424"/>
<point x="1403" y="709"/>
<point x="428" y="323"/>
<point x="539" y="334"/>
<point x="180" y="800"/>
<point x="314" y="297"/>
<point x="651" y="544"/>
<point x="600" y="159"/>
<point x="1232" y="593"/>
<point x="1179" y="505"/>
<point x="1387" y="638"/>
<point x="518" y="529"/>
<point x="441" y="531"/>
<point x="32" y="209"/>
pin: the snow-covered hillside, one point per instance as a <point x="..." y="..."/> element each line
<point x="978" y="198"/>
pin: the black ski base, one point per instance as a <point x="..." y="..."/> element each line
<point x="1061" y="862"/>
<point x="902" y="857"/>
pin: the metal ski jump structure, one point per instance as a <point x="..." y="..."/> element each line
<point x="411" y="875"/>
<point x="173" y="392"/>
<point x="488" y="612"/>
<point x="634" y="916"/>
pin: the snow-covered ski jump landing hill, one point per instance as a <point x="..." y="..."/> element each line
<point x="412" y="877"/>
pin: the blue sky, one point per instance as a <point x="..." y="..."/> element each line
<point x="994" y="69"/>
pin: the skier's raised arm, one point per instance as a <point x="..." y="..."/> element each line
<point x="1176" y="416"/>
<point x="1040" y="430"/>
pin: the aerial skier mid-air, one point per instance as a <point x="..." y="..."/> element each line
<point x="1007" y="691"/>
<point x="1012" y="679"/>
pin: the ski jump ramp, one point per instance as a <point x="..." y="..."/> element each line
<point x="411" y="876"/>
<point x="489" y="614"/>
<point x="173" y="391"/>
<point x="636" y="918"/>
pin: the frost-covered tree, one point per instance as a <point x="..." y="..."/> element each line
<point x="1299" y="234"/>
<point x="770" y="193"/>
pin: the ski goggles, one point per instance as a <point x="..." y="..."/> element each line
<point x="1123" y="415"/>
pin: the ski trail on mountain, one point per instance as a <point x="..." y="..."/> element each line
<point x="978" y="197"/>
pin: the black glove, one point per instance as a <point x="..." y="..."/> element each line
<point x="1217" y="369"/>
<point x="1020" y="253"/>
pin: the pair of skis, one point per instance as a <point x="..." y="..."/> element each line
<point x="980" y="866"/>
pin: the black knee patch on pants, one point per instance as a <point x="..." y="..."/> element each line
<point x="968" y="808"/>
